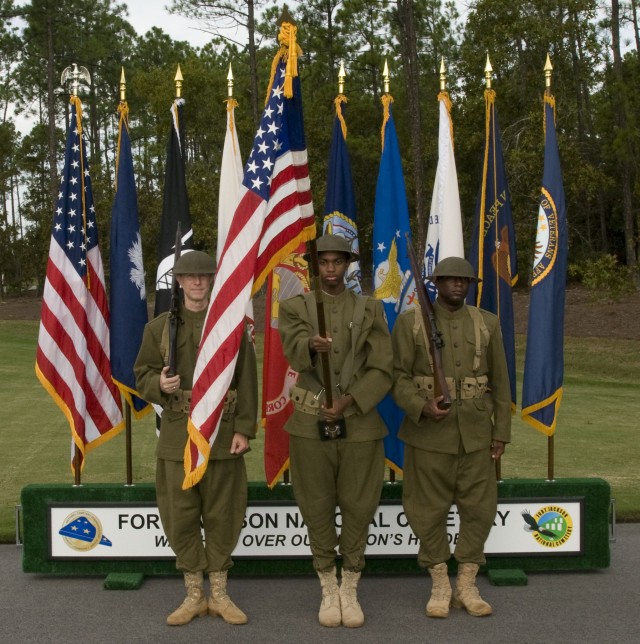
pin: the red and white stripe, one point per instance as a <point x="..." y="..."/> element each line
<point x="72" y="360"/>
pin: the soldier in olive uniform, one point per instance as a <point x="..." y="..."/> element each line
<point x="219" y="500"/>
<point x="339" y="461"/>
<point x="450" y="453"/>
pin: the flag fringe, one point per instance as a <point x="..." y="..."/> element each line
<point x="77" y="439"/>
<point x="392" y="466"/>
<point x="192" y="477"/>
<point x="271" y="484"/>
<point x="386" y="99"/>
<point x="555" y="399"/>
<point x="128" y="394"/>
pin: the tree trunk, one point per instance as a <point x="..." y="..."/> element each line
<point x="408" y="44"/>
<point x="620" y="116"/>
<point x="51" y="114"/>
<point x="253" y="66"/>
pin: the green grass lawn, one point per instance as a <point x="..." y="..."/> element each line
<point x="597" y="429"/>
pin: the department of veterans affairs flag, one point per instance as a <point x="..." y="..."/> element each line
<point x="544" y="357"/>
<point x="127" y="295"/>
<point x="175" y="208"/>
<point x="391" y="268"/>
<point x="274" y="215"/>
<point x="444" y="233"/>
<point x="289" y="278"/>
<point x="493" y="244"/>
<point x="340" y="203"/>
<point x="72" y="358"/>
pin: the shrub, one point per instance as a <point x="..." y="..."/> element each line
<point x="604" y="276"/>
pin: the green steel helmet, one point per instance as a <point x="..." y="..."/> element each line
<point x="454" y="267"/>
<point x="335" y="244"/>
<point x="194" y="262"/>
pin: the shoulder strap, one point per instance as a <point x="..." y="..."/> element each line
<point x="350" y="367"/>
<point x="164" y="342"/>
<point x="418" y="326"/>
<point x="480" y="329"/>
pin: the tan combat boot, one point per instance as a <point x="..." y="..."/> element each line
<point x="194" y="605"/>
<point x="467" y="594"/>
<point x="438" y="604"/>
<point x="220" y="603"/>
<point x="329" y="614"/>
<point x="352" y="615"/>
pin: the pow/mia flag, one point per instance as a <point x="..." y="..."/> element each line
<point x="175" y="208"/>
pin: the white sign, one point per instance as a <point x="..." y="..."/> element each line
<point x="276" y="530"/>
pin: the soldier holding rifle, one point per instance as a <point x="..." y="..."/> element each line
<point x="219" y="501"/>
<point x="336" y="446"/>
<point x="450" y="450"/>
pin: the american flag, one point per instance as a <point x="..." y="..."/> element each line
<point x="72" y="360"/>
<point x="273" y="216"/>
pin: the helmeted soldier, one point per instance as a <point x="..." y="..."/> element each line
<point x="450" y="453"/>
<point x="338" y="461"/>
<point x="219" y="500"/>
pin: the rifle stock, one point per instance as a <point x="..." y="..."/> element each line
<point x="435" y="337"/>
<point x="174" y="307"/>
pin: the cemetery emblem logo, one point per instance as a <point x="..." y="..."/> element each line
<point x="551" y="526"/>
<point x="82" y="531"/>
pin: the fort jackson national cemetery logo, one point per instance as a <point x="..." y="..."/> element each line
<point x="82" y="531"/>
<point x="551" y="526"/>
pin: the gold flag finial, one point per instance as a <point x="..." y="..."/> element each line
<point x="341" y="77"/>
<point x="443" y="76"/>
<point x="123" y="87"/>
<point x="178" y="79"/>
<point x="76" y="75"/>
<point x="386" y="77"/>
<point x="285" y="16"/>
<point x="487" y="72"/>
<point x="230" y="82"/>
<point x="548" y="68"/>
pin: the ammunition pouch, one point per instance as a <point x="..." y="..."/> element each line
<point x="463" y="389"/>
<point x="308" y="402"/>
<point x="180" y="401"/>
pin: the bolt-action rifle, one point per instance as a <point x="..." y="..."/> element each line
<point x="435" y="337"/>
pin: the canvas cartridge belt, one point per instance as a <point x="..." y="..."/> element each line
<point x="461" y="389"/>
<point x="181" y="401"/>
<point x="309" y="402"/>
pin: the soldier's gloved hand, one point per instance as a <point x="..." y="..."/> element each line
<point x="169" y="384"/>
<point x="432" y="411"/>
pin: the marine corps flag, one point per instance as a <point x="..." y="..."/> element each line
<point x="127" y="295"/>
<point x="175" y="208"/>
<point x="72" y="359"/>
<point x="544" y="358"/>
<point x="493" y="244"/>
<point x="391" y="269"/>
<point x="290" y="277"/>
<point x="340" y="204"/>
<point x="273" y="217"/>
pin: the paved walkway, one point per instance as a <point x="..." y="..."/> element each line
<point x="554" y="608"/>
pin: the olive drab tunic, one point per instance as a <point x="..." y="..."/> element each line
<point x="346" y="472"/>
<point x="470" y="421"/>
<point x="219" y="500"/>
<point x="449" y="461"/>
<point x="361" y="341"/>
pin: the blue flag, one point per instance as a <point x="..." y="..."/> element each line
<point x="128" y="296"/>
<point x="493" y="244"/>
<point x="544" y="358"/>
<point x="391" y="269"/>
<point x="340" y="204"/>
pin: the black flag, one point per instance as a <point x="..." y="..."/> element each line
<point x="175" y="208"/>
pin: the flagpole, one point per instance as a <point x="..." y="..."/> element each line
<point x="548" y="69"/>
<point x="127" y="407"/>
<point x="487" y="80"/>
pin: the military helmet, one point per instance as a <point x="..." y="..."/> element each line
<point x="335" y="244"/>
<point x="454" y="267"/>
<point x="194" y="262"/>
